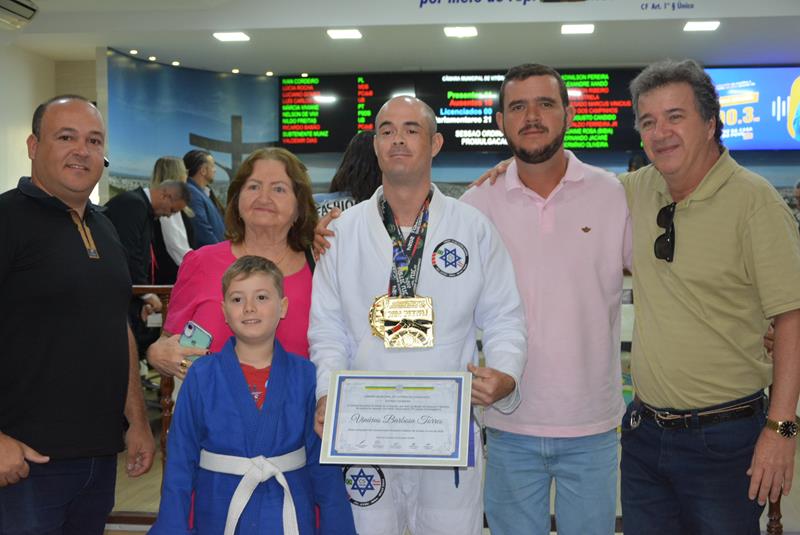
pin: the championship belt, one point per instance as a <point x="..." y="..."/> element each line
<point x="403" y="322"/>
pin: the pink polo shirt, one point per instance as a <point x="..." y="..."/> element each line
<point x="197" y="296"/>
<point x="568" y="252"/>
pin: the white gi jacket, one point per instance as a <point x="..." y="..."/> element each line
<point x="466" y="271"/>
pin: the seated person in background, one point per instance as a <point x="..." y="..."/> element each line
<point x="134" y="214"/>
<point x="270" y="214"/>
<point x="173" y="235"/>
<point x="208" y="225"/>
<point x="357" y="177"/>
<point x="637" y="161"/>
<point x="210" y="448"/>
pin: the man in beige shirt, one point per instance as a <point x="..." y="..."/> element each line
<point x="716" y="257"/>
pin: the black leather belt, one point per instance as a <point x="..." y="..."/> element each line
<point x="683" y="419"/>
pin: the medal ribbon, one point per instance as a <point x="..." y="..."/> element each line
<point x="406" y="251"/>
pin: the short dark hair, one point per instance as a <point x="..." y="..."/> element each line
<point x="527" y="70"/>
<point x="248" y="265"/>
<point x="687" y="71"/>
<point x="301" y="235"/>
<point x="178" y="187"/>
<point x="38" y="113"/>
<point x="194" y="160"/>
<point x="359" y="172"/>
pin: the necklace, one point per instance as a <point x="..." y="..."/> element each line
<point x="276" y="262"/>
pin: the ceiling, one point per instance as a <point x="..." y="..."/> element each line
<point x="70" y="30"/>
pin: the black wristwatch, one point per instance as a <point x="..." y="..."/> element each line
<point x="786" y="429"/>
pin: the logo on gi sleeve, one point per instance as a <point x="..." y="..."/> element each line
<point x="450" y="258"/>
<point x="365" y="484"/>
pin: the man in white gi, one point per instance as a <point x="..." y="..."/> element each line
<point x="416" y="242"/>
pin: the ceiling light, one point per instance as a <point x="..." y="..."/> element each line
<point x="133" y="52"/>
<point x="344" y="34"/>
<point x="404" y="93"/>
<point x="460" y="31"/>
<point x="701" y="26"/>
<point x="176" y="63"/>
<point x="235" y="71"/>
<point x="269" y="73"/>
<point x="152" y="58"/>
<point x="304" y="74"/>
<point x="324" y="99"/>
<point x="572" y="29"/>
<point x="231" y="36"/>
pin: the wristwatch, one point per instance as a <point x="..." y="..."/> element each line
<point x="786" y="429"/>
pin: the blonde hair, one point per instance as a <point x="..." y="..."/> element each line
<point x="248" y="265"/>
<point x="169" y="168"/>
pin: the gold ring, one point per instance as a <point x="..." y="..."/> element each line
<point x="184" y="363"/>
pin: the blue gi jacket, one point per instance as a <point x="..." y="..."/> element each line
<point x="215" y="412"/>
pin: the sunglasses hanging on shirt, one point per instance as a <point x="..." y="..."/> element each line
<point x="664" y="246"/>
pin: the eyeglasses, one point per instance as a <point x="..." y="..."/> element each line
<point x="664" y="246"/>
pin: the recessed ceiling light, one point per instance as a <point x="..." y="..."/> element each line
<point x="701" y="26"/>
<point x="176" y="63"/>
<point x="324" y="99"/>
<point x="235" y="71"/>
<point x="404" y="93"/>
<point x="270" y="73"/>
<point x="460" y="31"/>
<point x="231" y="36"/>
<point x="152" y="58"/>
<point x="344" y="34"/>
<point x="133" y="52"/>
<point x="571" y="29"/>
<point x="304" y="74"/>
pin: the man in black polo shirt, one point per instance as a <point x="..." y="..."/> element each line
<point x="68" y="369"/>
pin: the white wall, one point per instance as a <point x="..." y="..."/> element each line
<point x="77" y="78"/>
<point x="26" y="79"/>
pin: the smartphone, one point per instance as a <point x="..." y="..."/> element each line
<point x="195" y="336"/>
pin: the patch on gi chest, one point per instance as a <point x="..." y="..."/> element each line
<point x="450" y="258"/>
<point x="365" y="484"/>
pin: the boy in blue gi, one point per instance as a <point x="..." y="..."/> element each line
<point x="238" y="458"/>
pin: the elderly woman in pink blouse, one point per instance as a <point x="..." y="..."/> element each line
<point x="270" y="213"/>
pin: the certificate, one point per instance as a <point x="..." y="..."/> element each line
<point x="397" y="418"/>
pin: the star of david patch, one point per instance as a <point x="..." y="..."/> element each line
<point x="450" y="258"/>
<point x="365" y="484"/>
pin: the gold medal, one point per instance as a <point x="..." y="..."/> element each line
<point x="376" y="315"/>
<point x="407" y="322"/>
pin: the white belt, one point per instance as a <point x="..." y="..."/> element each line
<point x="256" y="470"/>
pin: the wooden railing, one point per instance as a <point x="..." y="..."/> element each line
<point x="167" y="382"/>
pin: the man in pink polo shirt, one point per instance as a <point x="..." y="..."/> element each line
<point x="567" y="228"/>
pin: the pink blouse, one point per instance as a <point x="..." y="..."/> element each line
<point x="197" y="296"/>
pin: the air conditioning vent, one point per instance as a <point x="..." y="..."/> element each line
<point x="14" y="14"/>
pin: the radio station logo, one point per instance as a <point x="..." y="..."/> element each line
<point x="365" y="484"/>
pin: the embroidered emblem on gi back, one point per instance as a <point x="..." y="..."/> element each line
<point x="450" y="258"/>
<point x="365" y="484"/>
<point x="586" y="229"/>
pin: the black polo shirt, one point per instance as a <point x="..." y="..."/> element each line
<point x="64" y="293"/>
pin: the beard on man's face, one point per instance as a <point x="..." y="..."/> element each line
<point x="543" y="154"/>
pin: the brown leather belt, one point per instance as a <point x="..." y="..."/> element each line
<point x="667" y="419"/>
